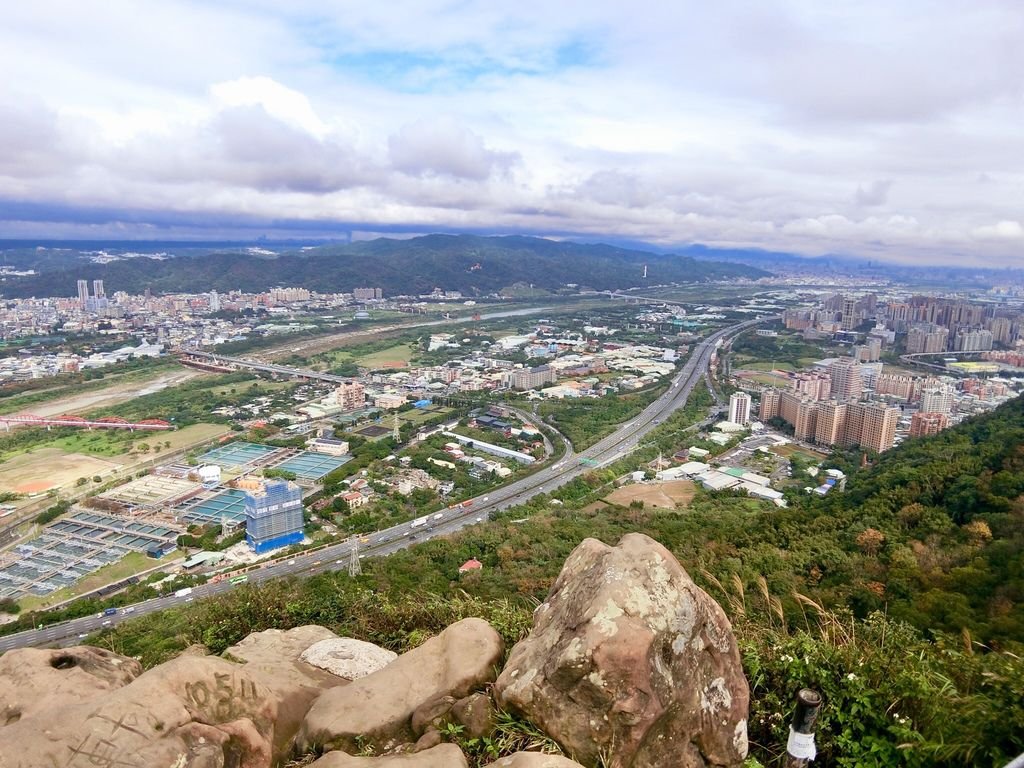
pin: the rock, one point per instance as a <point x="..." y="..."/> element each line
<point x="629" y="657"/>
<point x="534" y="760"/>
<point x="475" y="713"/>
<point x="274" y="658"/>
<point x="192" y="712"/>
<point x="348" y="658"/>
<point x="443" y="756"/>
<point x="430" y="739"/>
<point x="377" y="709"/>
<point x="432" y="713"/>
<point x="33" y="681"/>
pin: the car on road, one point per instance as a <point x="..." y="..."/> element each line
<point x="105" y="623"/>
<point x="82" y="635"/>
<point x="291" y="562"/>
<point x="130" y="609"/>
<point x="479" y="519"/>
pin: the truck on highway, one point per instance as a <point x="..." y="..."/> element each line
<point x="109" y="611"/>
<point x="419" y="521"/>
<point x="183" y="592"/>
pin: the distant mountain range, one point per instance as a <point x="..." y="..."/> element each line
<point x="471" y="264"/>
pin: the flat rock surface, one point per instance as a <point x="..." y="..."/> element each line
<point x="192" y="712"/>
<point x="534" y="760"/>
<point x="348" y="658"/>
<point x="441" y="756"/>
<point x="36" y="680"/>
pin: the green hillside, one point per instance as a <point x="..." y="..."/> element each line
<point x="471" y="264"/>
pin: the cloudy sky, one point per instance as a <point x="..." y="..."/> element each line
<point x="876" y="128"/>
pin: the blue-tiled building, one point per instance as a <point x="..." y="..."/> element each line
<point x="273" y="516"/>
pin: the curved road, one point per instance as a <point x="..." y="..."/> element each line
<point x="384" y="542"/>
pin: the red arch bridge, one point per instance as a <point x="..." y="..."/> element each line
<point x="70" y="420"/>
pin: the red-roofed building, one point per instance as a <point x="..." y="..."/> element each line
<point x="471" y="565"/>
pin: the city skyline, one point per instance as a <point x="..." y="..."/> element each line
<point x="792" y="129"/>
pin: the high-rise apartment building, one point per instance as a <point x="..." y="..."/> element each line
<point x="1002" y="329"/>
<point x="927" y="338"/>
<point x="805" y="420"/>
<point x="898" y="385"/>
<point x="924" y="424"/>
<point x="972" y="340"/>
<point x="83" y="293"/>
<point x="871" y="425"/>
<point x="769" y="406"/>
<point x="870" y="351"/>
<point x="847" y="381"/>
<point x="214" y="301"/>
<point x="739" y="408"/>
<point x="897" y="316"/>
<point x="831" y="421"/>
<point x="850" y="316"/>
<point x="97" y="289"/>
<point x="273" y="515"/>
<point x="937" y="400"/>
<point x="816" y="385"/>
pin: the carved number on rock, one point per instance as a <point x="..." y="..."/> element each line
<point x="225" y="698"/>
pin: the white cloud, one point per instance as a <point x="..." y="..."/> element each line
<point x="1003" y="230"/>
<point x="812" y="127"/>
<point x="444" y="147"/>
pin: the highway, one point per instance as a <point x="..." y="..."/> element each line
<point x="336" y="557"/>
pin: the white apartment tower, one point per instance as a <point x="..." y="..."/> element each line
<point x="739" y="408"/>
<point x="937" y="400"/>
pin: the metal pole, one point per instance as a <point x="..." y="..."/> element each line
<point x="800" y="748"/>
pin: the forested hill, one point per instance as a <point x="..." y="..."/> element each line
<point x="471" y="264"/>
<point x="937" y="526"/>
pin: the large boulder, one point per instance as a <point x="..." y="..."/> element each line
<point x="274" y="658"/>
<point x="34" y="680"/>
<point x="441" y="756"/>
<point x="192" y="712"/>
<point x="347" y="657"/>
<point x="628" y="657"/>
<point x="377" y="710"/>
<point x="533" y="760"/>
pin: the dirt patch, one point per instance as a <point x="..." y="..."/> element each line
<point x="112" y="395"/>
<point x="596" y="506"/>
<point x="50" y="468"/>
<point x="658" y="495"/>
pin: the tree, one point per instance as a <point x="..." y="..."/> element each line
<point x="870" y="541"/>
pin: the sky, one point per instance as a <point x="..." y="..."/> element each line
<point x="890" y="130"/>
